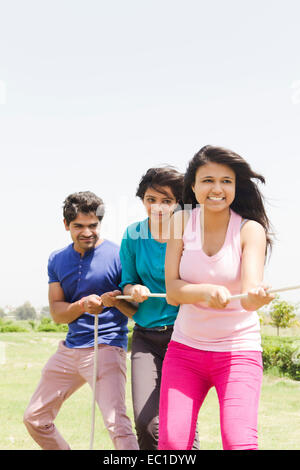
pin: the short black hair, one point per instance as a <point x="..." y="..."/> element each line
<point x="163" y="176"/>
<point x="85" y="202"/>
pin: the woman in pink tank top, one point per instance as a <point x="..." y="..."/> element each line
<point x="216" y="342"/>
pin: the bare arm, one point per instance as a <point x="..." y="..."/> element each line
<point x="182" y="292"/>
<point x="65" y="312"/>
<point x="126" y="308"/>
<point x="130" y="277"/>
<point x="138" y="292"/>
<point x="253" y="241"/>
<point x="60" y="310"/>
<point x="109" y="300"/>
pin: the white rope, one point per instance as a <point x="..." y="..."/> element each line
<point x="95" y="372"/>
<point x="269" y="291"/>
<point x="232" y="297"/>
<point x="129" y="297"/>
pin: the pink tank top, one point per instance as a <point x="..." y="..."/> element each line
<point x="198" y="326"/>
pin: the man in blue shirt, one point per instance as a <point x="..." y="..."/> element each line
<point x="79" y="275"/>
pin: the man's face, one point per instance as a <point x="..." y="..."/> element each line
<point x="85" y="231"/>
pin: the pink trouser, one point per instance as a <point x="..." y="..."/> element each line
<point x="66" y="371"/>
<point x="187" y="376"/>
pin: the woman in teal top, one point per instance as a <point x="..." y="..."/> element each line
<point x="143" y="261"/>
<point x="142" y="256"/>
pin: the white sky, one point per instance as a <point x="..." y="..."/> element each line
<point x="93" y="93"/>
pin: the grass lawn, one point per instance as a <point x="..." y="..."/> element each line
<point x="24" y="355"/>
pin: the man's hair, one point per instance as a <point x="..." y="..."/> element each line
<point x="85" y="202"/>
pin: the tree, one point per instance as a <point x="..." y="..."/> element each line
<point x="25" y="312"/>
<point x="282" y="313"/>
<point x="2" y="313"/>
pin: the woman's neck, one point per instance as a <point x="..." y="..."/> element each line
<point x="160" y="229"/>
<point x="214" y="221"/>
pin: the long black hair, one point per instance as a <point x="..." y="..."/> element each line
<point x="248" y="201"/>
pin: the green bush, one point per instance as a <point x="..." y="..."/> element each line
<point x="48" y="325"/>
<point x="8" y="326"/>
<point x="45" y="325"/>
<point x="282" y="355"/>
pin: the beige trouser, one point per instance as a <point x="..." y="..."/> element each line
<point x="66" y="371"/>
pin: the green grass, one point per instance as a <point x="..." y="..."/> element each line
<point x="26" y="354"/>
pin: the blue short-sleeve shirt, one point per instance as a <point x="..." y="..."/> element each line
<point x="143" y="262"/>
<point x="97" y="272"/>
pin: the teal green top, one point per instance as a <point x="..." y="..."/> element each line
<point x="143" y="262"/>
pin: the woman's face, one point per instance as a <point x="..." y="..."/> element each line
<point x="159" y="204"/>
<point x="215" y="186"/>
